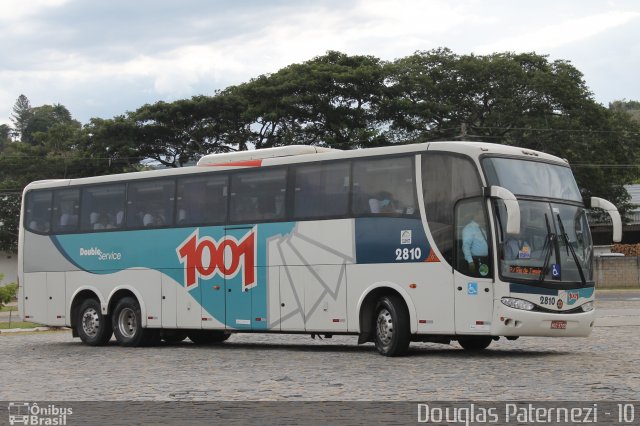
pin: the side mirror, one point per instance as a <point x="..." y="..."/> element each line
<point x="607" y="206"/>
<point x="513" y="208"/>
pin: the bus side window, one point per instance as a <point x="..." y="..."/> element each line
<point x="446" y="178"/>
<point x="102" y="207"/>
<point x="150" y="203"/>
<point x="258" y="195"/>
<point x="202" y="200"/>
<point x="66" y="209"/>
<point x="38" y="214"/>
<point x="384" y="186"/>
<point x="321" y="190"/>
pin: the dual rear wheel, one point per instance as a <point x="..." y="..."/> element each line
<point x="96" y="329"/>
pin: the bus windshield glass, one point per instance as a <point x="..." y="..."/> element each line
<point x="554" y="244"/>
<point x="532" y="178"/>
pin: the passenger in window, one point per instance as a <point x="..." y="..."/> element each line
<point x="474" y="243"/>
<point x="148" y="220"/>
<point x="102" y="222"/>
<point x="380" y="203"/>
<point x="119" y="218"/>
<point x="384" y="203"/>
<point x="93" y="218"/>
<point x="517" y="248"/>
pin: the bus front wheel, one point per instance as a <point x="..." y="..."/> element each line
<point x="92" y="327"/>
<point x="392" y="326"/>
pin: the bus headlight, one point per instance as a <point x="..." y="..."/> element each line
<point x="517" y="303"/>
<point x="587" y="307"/>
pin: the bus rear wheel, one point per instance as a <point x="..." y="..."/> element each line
<point x="392" y="326"/>
<point x="474" y="343"/>
<point x="127" y="325"/>
<point x="92" y="327"/>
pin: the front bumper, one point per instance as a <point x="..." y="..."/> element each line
<point x="517" y="322"/>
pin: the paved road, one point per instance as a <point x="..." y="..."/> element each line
<point x="54" y="366"/>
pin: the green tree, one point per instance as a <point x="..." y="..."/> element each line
<point x="514" y="99"/>
<point x="331" y="100"/>
<point x="630" y="107"/>
<point x="21" y="115"/>
<point x="44" y="118"/>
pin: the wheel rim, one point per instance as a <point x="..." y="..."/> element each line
<point x="127" y="322"/>
<point x="90" y="322"/>
<point x="384" y="327"/>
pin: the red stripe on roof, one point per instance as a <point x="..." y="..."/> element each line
<point x="246" y="163"/>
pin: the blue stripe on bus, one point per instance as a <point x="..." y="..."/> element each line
<point x="109" y="252"/>
<point x="390" y="240"/>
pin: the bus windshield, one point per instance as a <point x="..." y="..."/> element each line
<point x="533" y="178"/>
<point x="554" y="244"/>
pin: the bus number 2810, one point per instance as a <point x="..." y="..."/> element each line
<point x="408" y="253"/>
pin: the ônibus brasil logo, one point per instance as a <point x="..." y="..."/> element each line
<point x="205" y="257"/>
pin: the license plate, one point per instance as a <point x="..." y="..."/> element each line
<point x="558" y="325"/>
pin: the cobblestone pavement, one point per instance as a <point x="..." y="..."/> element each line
<point x="54" y="366"/>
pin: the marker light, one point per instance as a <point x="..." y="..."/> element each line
<point x="517" y="303"/>
<point x="587" y="307"/>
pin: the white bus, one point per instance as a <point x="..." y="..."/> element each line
<point x="433" y="242"/>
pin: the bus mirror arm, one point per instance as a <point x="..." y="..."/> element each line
<point x="512" y="206"/>
<point x="613" y="212"/>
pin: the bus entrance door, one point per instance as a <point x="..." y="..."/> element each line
<point x="473" y="304"/>
<point x="472" y="278"/>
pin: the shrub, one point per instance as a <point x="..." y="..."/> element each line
<point x="8" y="293"/>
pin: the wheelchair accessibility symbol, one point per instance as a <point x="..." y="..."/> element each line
<point x="555" y="271"/>
<point x="472" y="289"/>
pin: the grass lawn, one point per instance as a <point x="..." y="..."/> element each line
<point x="8" y="308"/>
<point x="18" y="324"/>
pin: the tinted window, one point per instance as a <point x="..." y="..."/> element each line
<point x="102" y="207"/>
<point x="445" y="180"/>
<point x="150" y="203"/>
<point x="384" y="186"/>
<point x="202" y="200"/>
<point x="66" y="210"/>
<point x="321" y="190"/>
<point x="38" y="214"/>
<point x="536" y="178"/>
<point x="258" y="195"/>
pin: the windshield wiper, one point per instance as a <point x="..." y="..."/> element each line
<point x="546" y="249"/>
<point x="570" y="249"/>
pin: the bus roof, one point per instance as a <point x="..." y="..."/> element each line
<point x="303" y="154"/>
<point x="250" y="158"/>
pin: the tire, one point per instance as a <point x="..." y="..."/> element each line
<point x="127" y="325"/>
<point x="392" y="326"/>
<point x="173" y="337"/>
<point x="474" y="343"/>
<point x="203" y="337"/>
<point x="92" y="327"/>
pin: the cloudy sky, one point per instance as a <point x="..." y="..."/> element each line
<point x="101" y="58"/>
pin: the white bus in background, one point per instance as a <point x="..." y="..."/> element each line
<point x="308" y="240"/>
